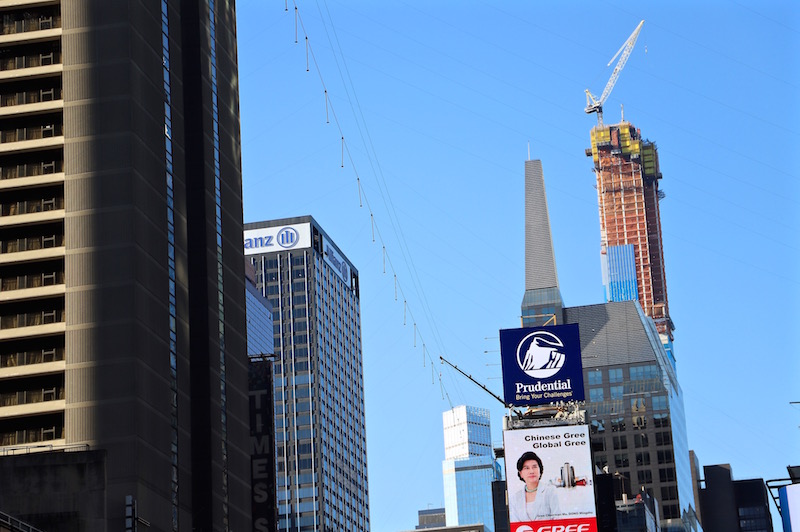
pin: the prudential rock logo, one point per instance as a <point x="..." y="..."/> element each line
<point x="539" y="354"/>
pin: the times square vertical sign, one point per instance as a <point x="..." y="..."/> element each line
<point x="541" y="365"/>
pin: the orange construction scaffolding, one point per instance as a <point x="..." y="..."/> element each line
<point x="627" y="174"/>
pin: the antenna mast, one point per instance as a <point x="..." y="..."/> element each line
<point x="485" y="389"/>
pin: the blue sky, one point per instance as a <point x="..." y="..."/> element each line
<point x="438" y="101"/>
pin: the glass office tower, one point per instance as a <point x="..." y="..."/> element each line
<point x="318" y="375"/>
<point x="635" y="407"/>
<point x="469" y="467"/>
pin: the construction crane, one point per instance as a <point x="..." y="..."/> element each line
<point x="595" y="105"/>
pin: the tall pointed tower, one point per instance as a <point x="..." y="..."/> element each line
<point x="632" y="254"/>
<point x="542" y="303"/>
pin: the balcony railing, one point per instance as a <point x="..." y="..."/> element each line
<point x="31" y="319"/>
<point x="30" y="60"/>
<point x="35" y="23"/>
<point x="31" y="96"/>
<point x="31" y="169"/>
<point x="31" y="133"/>
<point x="34" y="280"/>
<point x="31" y="243"/>
<point x="31" y="206"/>
<point x="26" y="397"/>
<point x="26" y="358"/>
<point x="32" y="435"/>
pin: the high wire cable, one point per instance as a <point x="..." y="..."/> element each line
<point x="374" y="162"/>
<point x="348" y="156"/>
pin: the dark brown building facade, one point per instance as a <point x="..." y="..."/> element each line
<point x="122" y="302"/>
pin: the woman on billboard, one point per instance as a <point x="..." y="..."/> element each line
<point x="537" y="500"/>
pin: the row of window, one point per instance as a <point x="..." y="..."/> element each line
<point x="622" y="460"/>
<point x="37" y="356"/>
<point x="31" y="319"/>
<point x="598" y="376"/>
<point x="638" y="422"/>
<point x="30" y="169"/>
<point x="39" y="19"/>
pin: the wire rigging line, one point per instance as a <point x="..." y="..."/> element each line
<point x="330" y="112"/>
<point x="374" y="162"/>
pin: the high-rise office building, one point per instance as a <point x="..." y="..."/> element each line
<point x="431" y="518"/>
<point x="635" y="407"/>
<point x="122" y="322"/>
<point x="469" y="467"/>
<point x="318" y="377"/>
<point x="632" y="253"/>
<point x="634" y="403"/>
<point x="733" y="505"/>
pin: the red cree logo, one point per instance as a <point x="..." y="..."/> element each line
<point x="563" y="528"/>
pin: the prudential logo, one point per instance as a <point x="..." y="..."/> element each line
<point x="539" y="355"/>
<point x="287" y="238"/>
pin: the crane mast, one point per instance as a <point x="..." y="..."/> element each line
<point x="595" y="105"/>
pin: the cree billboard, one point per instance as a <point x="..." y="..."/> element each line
<point x="278" y="238"/>
<point x="541" y="365"/>
<point x="549" y="479"/>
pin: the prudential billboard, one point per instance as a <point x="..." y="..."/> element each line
<point x="541" y="365"/>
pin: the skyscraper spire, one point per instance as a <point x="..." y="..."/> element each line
<point x="542" y="303"/>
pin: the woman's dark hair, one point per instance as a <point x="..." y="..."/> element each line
<point x="530" y="455"/>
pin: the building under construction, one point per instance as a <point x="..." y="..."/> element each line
<point x="632" y="253"/>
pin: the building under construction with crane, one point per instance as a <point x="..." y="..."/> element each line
<point x="632" y="253"/>
<point x="627" y="171"/>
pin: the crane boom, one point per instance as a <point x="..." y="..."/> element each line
<point x="595" y="105"/>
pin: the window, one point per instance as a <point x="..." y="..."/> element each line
<point x="645" y="476"/>
<point x="641" y="440"/>
<point x="616" y="393"/>
<point x="671" y="511"/>
<point x="618" y="424"/>
<point x="597" y="426"/>
<point x="620" y="442"/>
<point x="669" y="493"/>
<point x="638" y="405"/>
<point x="667" y="474"/>
<point x="620" y="460"/>
<point x="615" y="375"/>
<point x="659" y="402"/>
<point x="595" y="395"/>
<point x="661" y="421"/>
<point x="598" y="445"/>
<point x="640" y="373"/>
<point x="666" y="457"/>
<point x="594" y="377"/>
<point x="643" y="458"/>
<point x="663" y="438"/>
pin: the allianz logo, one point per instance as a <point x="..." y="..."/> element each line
<point x="334" y="260"/>
<point x="286" y="238"/>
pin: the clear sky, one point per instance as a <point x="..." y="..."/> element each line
<point x="437" y="102"/>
